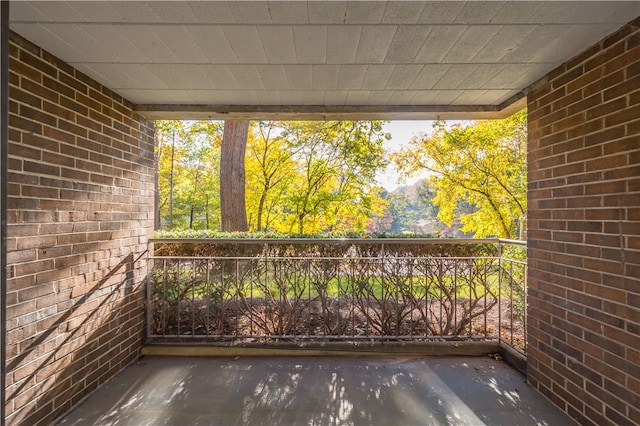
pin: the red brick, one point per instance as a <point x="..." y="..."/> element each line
<point x="72" y="128"/>
<point x="101" y="138"/>
<point x="56" y="239"/>
<point x="567" y="396"/>
<point x="604" y="56"/>
<point x="621" y="145"/>
<point x="37" y="63"/>
<point x="39" y="90"/>
<point x="87" y="101"/>
<point x="74" y="106"/>
<point x="106" y="101"/>
<point x="20" y="150"/>
<point x="101" y="118"/>
<point x="77" y="85"/>
<point x="41" y="168"/>
<point x="55" y="85"/>
<point x="87" y="80"/>
<point x="606" y="108"/>
<point x="551" y="97"/>
<point x="622" y="61"/>
<point x="609" y="162"/>
<point x="588" y="77"/>
<point x="20" y="69"/>
<point x="89" y="123"/>
<point x="622" y="89"/>
<point x="58" y="111"/>
<point x="605" y="188"/>
<point x="566" y="77"/>
<point x="604" y="83"/>
<point x="23" y="97"/>
<point x="21" y="124"/>
<point x="56" y="136"/>
<point x="115" y="115"/>
<point x="620" y="200"/>
<point x="37" y="115"/>
<point x="583" y="154"/>
<point x="598" y="157"/>
<point x="585" y="129"/>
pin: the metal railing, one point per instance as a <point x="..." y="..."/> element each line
<point x="262" y="290"/>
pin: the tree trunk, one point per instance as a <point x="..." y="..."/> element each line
<point x="156" y="193"/>
<point x="260" y="208"/>
<point x="232" y="175"/>
<point x="173" y="148"/>
<point x="206" y="212"/>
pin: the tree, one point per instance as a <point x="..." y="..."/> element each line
<point x="270" y="171"/>
<point x="165" y="163"/>
<point x="187" y="155"/>
<point x="301" y="177"/>
<point x="336" y="166"/>
<point x="202" y="160"/>
<point x="401" y="212"/>
<point x="483" y="164"/>
<point x="232" y="175"/>
<point x="382" y="222"/>
<point x="424" y="199"/>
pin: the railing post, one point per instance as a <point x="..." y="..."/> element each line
<point x="149" y="304"/>
<point x="525" y="289"/>
<point x="499" y="289"/>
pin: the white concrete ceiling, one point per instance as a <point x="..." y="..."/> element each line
<point x="316" y="59"/>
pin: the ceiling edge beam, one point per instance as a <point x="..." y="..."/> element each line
<point x="332" y="112"/>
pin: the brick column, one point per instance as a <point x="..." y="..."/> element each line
<point x="80" y="211"/>
<point x="584" y="233"/>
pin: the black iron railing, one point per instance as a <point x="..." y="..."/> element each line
<point x="261" y="290"/>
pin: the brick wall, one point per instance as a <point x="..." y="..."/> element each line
<point x="80" y="210"/>
<point x="584" y="233"/>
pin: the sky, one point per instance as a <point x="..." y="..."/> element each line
<point x="402" y="131"/>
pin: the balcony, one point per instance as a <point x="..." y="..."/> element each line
<point x="356" y="294"/>
<point x="289" y="315"/>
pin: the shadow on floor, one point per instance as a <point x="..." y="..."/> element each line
<point x="317" y="390"/>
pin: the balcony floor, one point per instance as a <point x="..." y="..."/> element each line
<point x="317" y="390"/>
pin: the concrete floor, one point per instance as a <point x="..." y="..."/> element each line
<point x="318" y="391"/>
